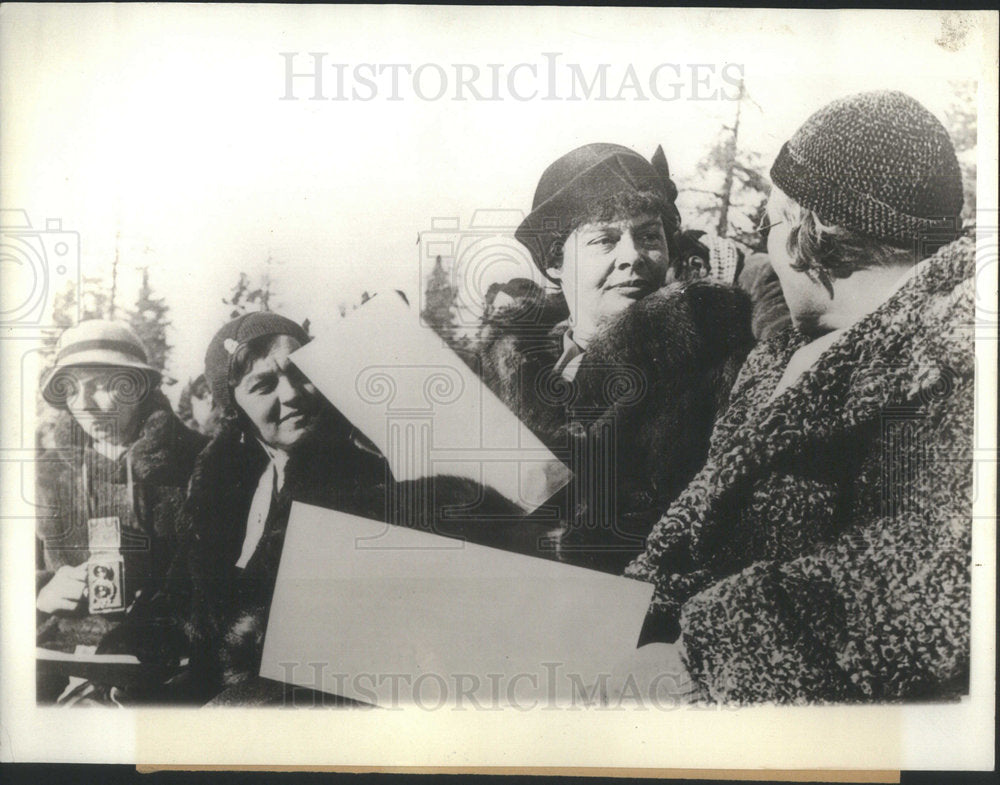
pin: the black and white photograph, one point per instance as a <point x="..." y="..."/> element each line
<point x="476" y="387"/>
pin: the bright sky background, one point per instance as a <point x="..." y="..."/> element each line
<point x="163" y="125"/>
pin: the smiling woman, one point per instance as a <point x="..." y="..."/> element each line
<point x="278" y="441"/>
<point x="618" y="374"/>
<point x="272" y="394"/>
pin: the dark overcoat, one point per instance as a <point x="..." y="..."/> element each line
<point x="162" y="459"/>
<point x="633" y="425"/>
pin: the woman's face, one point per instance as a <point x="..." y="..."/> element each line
<point x="106" y="401"/>
<point x="606" y="267"/>
<point x="277" y="398"/>
<point x="807" y="299"/>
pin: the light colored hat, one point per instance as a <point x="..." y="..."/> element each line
<point x="96" y="342"/>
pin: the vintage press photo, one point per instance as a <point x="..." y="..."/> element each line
<point x="479" y="387"/>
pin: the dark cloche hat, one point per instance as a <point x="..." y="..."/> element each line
<point x="584" y="177"/>
<point x="237" y="333"/>
<point x="878" y="163"/>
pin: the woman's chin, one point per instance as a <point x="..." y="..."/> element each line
<point x="617" y="300"/>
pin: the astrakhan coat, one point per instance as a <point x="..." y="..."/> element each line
<point x="823" y="552"/>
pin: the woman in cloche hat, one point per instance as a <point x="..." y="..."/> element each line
<point x="823" y="552"/>
<point x="109" y="494"/>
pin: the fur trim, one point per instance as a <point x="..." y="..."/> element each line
<point x="162" y="454"/>
<point x="659" y="373"/>
<point x="242" y="646"/>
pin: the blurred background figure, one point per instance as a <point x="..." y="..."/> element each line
<point x="196" y="408"/>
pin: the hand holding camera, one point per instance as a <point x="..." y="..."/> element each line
<point x="64" y="591"/>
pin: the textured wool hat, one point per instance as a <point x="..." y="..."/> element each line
<point x="584" y="177"/>
<point x="96" y="342"/>
<point x="237" y="333"/>
<point x="878" y="163"/>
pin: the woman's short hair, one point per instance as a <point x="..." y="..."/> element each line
<point x="826" y="251"/>
<point x="243" y="361"/>
<point x="619" y="206"/>
<point x="248" y="354"/>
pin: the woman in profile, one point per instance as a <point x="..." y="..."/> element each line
<point x="823" y="552"/>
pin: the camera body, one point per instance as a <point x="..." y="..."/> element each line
<point x="37" y="264"/>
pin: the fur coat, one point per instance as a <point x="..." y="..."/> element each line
<point x="162" y="458"/>
<point x="216" y="612"/>
<point x="823" y="552"/>
<point x="224" y="608"/>
<point x="633" y="426"/>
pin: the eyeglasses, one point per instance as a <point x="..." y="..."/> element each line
<point x="763" y="227"/>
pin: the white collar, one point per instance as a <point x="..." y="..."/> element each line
<point x="278" y="459"/>
<point x="110" y="451"/>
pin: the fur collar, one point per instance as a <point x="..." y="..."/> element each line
<point x="162" y="454"/>
<point x="648" y="356"/>
<point x="229" y="468"/>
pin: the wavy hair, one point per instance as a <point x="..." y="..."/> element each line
<point x="824" y="251"/>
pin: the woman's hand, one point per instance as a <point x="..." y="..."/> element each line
<point x="64" y="591"/>
<point x="654" y="675"/>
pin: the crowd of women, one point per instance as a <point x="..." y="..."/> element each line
<point x="780" y="443"/>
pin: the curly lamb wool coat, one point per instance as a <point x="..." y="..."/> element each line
<point x="633" y="425"/>
<point x="823" y="552"/>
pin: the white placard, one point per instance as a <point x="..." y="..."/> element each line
<point x="392" y="616"/>
<point x="398" y="382"/>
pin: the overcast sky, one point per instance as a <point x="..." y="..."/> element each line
<point x="162" y="126"/>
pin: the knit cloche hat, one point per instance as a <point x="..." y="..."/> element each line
<point x="878" y="163"/>
<point x="236" y="334"/>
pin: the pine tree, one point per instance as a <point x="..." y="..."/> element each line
<point x="961" y="119"/>
<point x="735" y="207"/>
<point x="149" y="320"/>
<point x="439" y="302"/>
<point x="247" y="297"/>
<point x="71" y="306"/>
